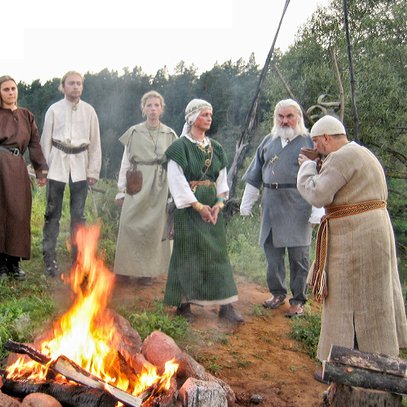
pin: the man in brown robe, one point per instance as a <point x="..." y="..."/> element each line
<point x="355" y="271"/>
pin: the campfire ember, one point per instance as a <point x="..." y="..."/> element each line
<point x="93" y="357"/>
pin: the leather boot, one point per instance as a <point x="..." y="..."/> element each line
<point x="15" y="272"/>
<point x="184" y="310"/>
<point x="231" y="314"/>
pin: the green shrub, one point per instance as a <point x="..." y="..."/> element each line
<point x="306" y="330"/>
<point x="157" y="320"/>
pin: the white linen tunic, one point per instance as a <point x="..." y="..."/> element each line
<point x="73" y="125"/>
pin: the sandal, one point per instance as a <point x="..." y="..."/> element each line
<point x="295" y="310"/>
<point x="274" y="302"/>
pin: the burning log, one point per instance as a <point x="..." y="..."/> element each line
<point x="72" y="371"/>
<point x="70" y="395"/>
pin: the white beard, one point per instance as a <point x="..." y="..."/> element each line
<point x="287" y="133"/>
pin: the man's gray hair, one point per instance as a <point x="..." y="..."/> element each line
<point x="300" y="128"/>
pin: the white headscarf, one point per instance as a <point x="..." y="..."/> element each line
<point x="192" y="111"/>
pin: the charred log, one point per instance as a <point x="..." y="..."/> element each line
<point x="370" y="361"/>
<point x="72" y="371"/>
<point x="69" y="395"/>
<point x="352" y="376"/>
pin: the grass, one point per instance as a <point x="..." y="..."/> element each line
<point x="148" y="321"/>
<point x="306" y="330"/>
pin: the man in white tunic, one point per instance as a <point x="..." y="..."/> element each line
<point x="70" y="142"/>
<point x="355" y="270"/>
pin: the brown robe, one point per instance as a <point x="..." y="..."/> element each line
<point x="19" y="130"/>
<point x="364" y="292"/>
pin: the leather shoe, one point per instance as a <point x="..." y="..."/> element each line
<point x="295" y="310"/>
<point x="184" y="310"/>
<point x="16" y="273"/>
<point x="229" y="313"/>
<point x="52" y="268"/>
<point x="274" y="302"/>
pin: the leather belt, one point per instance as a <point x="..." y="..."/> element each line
<point x="276" y="185"/>
<point x="153" y="162"/>
<point x="11" y="150"/>
<point x="68" y="149"/>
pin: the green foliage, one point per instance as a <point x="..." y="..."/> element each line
<point x="157" y="320"/>
<point x="306" y="330"/>
<point x="24" y="308"/>
<point x="246" y="256"/>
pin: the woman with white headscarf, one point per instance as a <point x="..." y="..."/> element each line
<point x="200" y="272"/>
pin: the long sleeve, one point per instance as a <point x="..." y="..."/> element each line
<point x="179" y="186"/>
<point x="181" y="190"/>
<point x="95" y="150"/>
<point x="46" y="137"/>
<point x="319" y="189"/>
<point x="121" y="182"/>
<point x="250" y="196"/>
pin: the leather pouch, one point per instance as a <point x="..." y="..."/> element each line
<point x="134" y="180"/>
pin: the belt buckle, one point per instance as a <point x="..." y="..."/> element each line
<point x="15" y="151"/>
<point x="275" y="185"/>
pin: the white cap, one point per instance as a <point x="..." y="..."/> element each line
<point x="327" y="125"/>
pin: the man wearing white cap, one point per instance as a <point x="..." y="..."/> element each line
<point x="355" y="269"/>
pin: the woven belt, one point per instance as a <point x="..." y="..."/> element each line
<point x="206" y="183"/>
<point x="276" y="185"/>
<point x="11" y="150"/>
<point x="318" y="281"/>
<point x="68" y="149"/>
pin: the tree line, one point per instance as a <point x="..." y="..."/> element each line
<point x="314" y="71"/>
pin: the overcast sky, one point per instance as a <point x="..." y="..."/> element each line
<point x="43" y="39"/>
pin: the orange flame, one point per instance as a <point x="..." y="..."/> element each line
<point x="85" y="332"/>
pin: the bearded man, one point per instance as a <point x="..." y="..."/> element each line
<point x="286" y="219"/>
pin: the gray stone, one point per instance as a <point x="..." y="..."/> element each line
<point x="199" y="393"/>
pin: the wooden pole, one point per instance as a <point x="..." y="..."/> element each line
<point x="244" y="139"/>
<point x="352" y="77"/>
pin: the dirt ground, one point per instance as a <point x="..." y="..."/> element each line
<point x="255" y="358"/>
